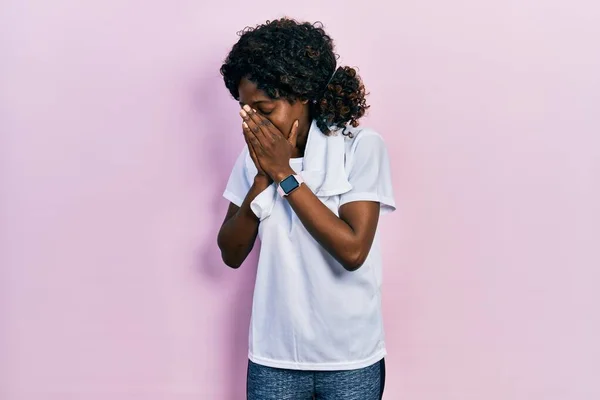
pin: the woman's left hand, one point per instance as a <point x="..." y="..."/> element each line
<point x="272" y="149"/>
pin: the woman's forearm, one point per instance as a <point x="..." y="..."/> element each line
<point x="348" y="244"/>
<point x="240" y="228"/>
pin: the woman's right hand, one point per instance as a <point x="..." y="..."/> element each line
<point x="261" y="175"/>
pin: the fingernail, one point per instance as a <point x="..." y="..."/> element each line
<point x="245" y="124"/>
<point x="296" y="124"/>
<point x="243" y="113"/>
<point x="247" y="107"/>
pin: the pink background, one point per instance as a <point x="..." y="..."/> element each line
<point x="117" y="137"/>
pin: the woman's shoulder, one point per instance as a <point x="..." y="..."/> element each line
<point x="362" y="137"/>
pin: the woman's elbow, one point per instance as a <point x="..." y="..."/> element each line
<point x="231" y="262"/>
<point x="230" y="257"/>
<point x="354" y="261"/>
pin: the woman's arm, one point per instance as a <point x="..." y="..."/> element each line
<point x="348" y="237"/>
<point x="240" y="227"/>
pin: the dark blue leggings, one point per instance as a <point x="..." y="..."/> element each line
<point x="266" y="383"/>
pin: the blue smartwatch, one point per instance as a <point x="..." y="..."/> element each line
<point x="289" y="184"/>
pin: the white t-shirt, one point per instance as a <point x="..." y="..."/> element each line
<point x="308" y="312"/>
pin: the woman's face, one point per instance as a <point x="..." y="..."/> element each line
<point x="280" y="112"/>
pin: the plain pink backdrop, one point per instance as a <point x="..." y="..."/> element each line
<point x="117" y="136"/>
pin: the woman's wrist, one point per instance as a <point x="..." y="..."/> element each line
<point x="262" y="181"/>
<point x="281" y="175"/>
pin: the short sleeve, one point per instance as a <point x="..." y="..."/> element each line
<point x="370" y="173"/>
<point x="237" y="186"/>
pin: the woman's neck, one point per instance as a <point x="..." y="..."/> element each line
<point x="301" y="140"/>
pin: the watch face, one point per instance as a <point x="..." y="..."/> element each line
<point x="288" y="184"/>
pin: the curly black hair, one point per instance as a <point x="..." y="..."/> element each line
<point x="296" y="61"/>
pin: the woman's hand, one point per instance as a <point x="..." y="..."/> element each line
<point x="261" y="175"/>
<point x="269" y="149"/>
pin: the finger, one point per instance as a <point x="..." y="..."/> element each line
<point x="258" y="125"/>
<point x="253" y="155"/>
<point x="293" y="138"/>
<point x="253" y="128"/>
<point x="246" y="118"/>
<point x="275" y="133"/>
<point x="270" y="131"/>
<point x="251" y="140"/>
<point x="246" y="134"/>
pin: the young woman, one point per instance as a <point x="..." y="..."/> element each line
<point x="311" y="185"/>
